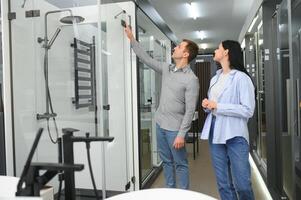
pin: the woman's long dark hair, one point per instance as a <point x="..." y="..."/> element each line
<point x="235" y="55"/>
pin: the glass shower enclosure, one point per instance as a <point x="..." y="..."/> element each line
<point x="71" y="69"/>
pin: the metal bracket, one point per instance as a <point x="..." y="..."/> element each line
<point x="11" y="15"/>
<point x="123" y="23"/>
<point x="106" y="107"/>
<point x="127" y="186"/>
<point x="32" y="13"/>
<point x="133" y="179"/>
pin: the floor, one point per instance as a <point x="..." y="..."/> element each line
<point x="202" y="177"/>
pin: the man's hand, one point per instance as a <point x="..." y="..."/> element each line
<point x="129" y="32"/>
<point x="179" y="142"/>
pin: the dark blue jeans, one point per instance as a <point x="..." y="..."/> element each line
<point x="174" y="160"/>
<point x="232" y="168"/>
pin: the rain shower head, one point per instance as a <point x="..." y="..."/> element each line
<point x="66" y="20"/>
<point x="72" y="19"/>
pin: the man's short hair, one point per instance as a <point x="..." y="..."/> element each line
<point x="192" y="48"/>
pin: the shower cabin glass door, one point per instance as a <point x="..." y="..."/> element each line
<point x="150" y="83"/>
<point x="262" y="141"/>
<point x="284" y="96"/>
<point x="146" y="113"/>
<point x="69" y="71"/>
<point x="296" y="53"/>
<point x="115" y="100"/>
<point x="2" y="138"/>
<point x="157" y="46"/>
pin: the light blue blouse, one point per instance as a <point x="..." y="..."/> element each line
<point x="235" y="105"/>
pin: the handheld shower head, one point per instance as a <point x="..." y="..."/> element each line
<point x="72" y="19"/>
<point x="58" y="30"/>
<point x="23" y="5"/>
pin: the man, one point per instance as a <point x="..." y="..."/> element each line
<point x="179" y="94"/>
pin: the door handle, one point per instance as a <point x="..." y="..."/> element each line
<point x="150" y="100"/>
<point x="288" y="104"/>
<point x="106" y="107"/>
<point x="298" y="106"/>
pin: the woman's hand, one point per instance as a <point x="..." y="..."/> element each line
<point x="209" y="104"/>
<point x="212" y="105"/>
<point x="205" y="103"/>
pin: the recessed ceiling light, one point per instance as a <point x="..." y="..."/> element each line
<point x="201" y="34"/>
<point x="192" y="10"/>
<point x="203" y="46"/>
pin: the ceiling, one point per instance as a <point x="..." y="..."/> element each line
<point x="218" y="19"/>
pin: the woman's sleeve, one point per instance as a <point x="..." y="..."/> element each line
<point x="246" y="106"/>
<point x="206" y="110"/>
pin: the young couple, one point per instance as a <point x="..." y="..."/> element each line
<point x="230" y="103"/>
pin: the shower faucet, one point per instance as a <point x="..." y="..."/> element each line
<point x="47" y="45"/>
<point x="69" y="139"/>
<point x="46" y="116"/>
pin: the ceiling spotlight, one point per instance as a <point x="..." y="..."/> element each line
<point x="201" y="34"/>
<point x="203" y="46"/>
<point x="192" y="10"/>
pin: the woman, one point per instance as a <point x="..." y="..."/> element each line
<point x="231" y="103"/>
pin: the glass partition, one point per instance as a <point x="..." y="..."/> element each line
<point x="2" y="138"/>
<point x="255" y="59"/>
<point x="281" y="54"/>
<point x="285" y="96"/>
<point x="70" y="70"/>
<point x="1" y="59"/>
<point x="296" y="53"/>
<point x="262" y="141"/>
<point x="115" y="98"/>
<point x="158" y="47"/>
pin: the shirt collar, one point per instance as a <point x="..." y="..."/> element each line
<point x="232" y="72"/>
<point x="173" y="68"/>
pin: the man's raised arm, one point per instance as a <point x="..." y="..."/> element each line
<point x="140" y="52"/>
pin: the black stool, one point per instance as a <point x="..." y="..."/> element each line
<point x="193" y="138"/>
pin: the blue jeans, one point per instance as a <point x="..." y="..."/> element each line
<point x="232" y="168"/>
<point x="175" y="163"/>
